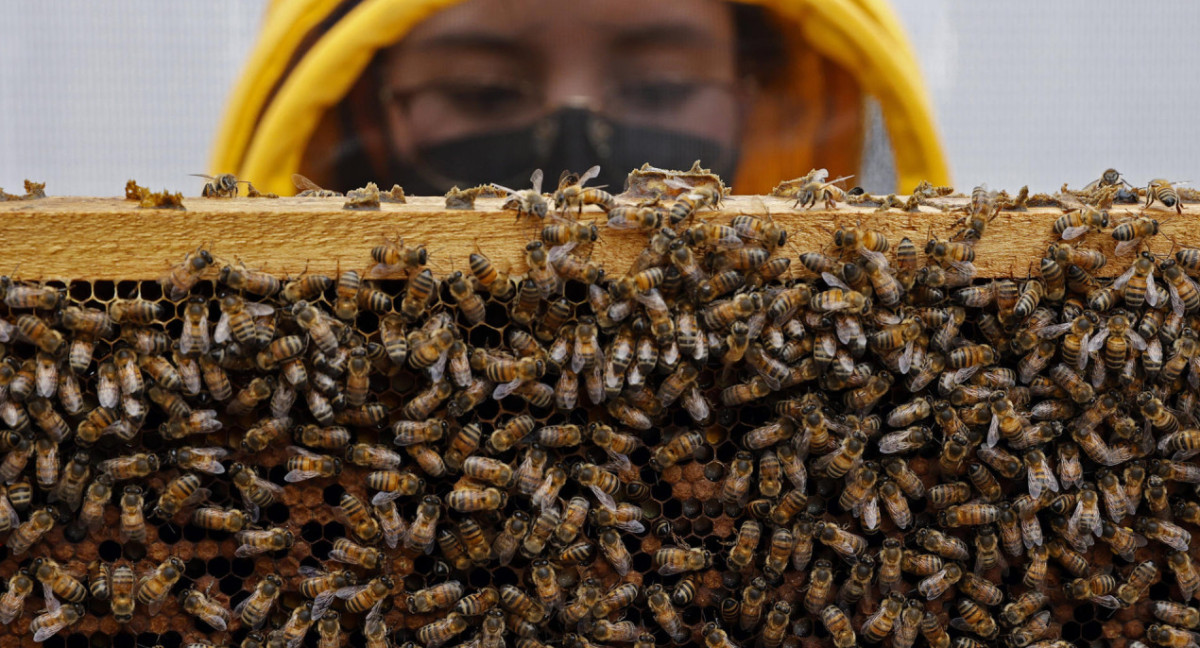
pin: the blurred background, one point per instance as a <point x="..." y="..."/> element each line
<point x="1038" y="93"/>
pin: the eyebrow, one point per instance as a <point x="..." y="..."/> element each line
<point x="671" y="33"/>
<point x="472" y="40"/>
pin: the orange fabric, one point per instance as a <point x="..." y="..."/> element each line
<point x="838" y="51"/>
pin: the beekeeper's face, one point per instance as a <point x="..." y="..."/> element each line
<point x="567" y="83"/>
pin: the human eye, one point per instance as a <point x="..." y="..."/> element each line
<point x="484" y="98"/>
<point x="656" y="95"/>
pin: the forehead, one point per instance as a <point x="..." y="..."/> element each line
<point x="531" y="23"/>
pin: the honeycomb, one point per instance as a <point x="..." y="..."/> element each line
<point x="681" y="504"/>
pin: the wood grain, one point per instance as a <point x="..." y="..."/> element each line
<point x="110" y="238"/>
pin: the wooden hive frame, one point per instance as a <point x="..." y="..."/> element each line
<point x="110" y="238"/>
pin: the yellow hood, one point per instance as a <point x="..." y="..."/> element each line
<point x="311" y="53"/>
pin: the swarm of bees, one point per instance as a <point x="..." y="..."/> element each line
<point x="688" y="450"/>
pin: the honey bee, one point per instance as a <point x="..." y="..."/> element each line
<point x="510" y="537"/>
<point x="936" y="584"/>
<point x="1164" y="192"/>
<point x="55" y="619"/>
<point x="182" y="277"/>
<point x="692" y="199"/>
<point x="879" y="625"/>
<point x="195" y="603"/>
<point x="375" y="630"/>
<point x="1165" y="532"/>
<point x="421" y="533"/>
<point x="255" y="491"/>
<point x="975" y="619"/>
<point x="946" y="546"/>
<point x="304" y="465"/>
<point x="677" y="450"/>
<point x="253" y="542"/>
<point x="153" y="589"/>
<point x="838" y="625"/>
<point x="223" y="520"/>
<point x="1076" y="223"/>
<point x="254" y="610"/>
<point x="38" y="332"/>
<point x="1177" y="614"/>
<point x="1187" y="578"/>
<point x="57" y="580"/>
<point x="1097" y="588"/>
<point x="949" y="255"/>
<point x="492" y="280"/>
<point x="317" y="325"/>
<point x="12" y="601"/>
<point x="571" y="192"/>
<point x="472" y="499"/>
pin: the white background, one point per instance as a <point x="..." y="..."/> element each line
<point x="95" y="93"/>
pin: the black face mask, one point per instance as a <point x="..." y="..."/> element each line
<point x="572" y="138"/>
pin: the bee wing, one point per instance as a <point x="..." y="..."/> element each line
<point x="559" y="252"/>
<point x="246" y="551"/>
<point x="259" y="309"/>
<point x="223" y="332"/>
<point x="1053" y="331"/>
<point x="833" y="281"/>
<point x="652" y="299"/>
<point x="1108" y="601"/>
<point x="308" y="571"/>
<point x="215" y="620"/>
<point x="392" y="536"/>
<point x="275" y="489"/>
<point x="294" y="450"/>
<point x="321" y="603"/>
<point x="905" y="361"/>
<point x="383" y="497"/>
<point x="237" y="610"/>
<point x="588" y="175"/>
<point x="604" y="498"/>
<point x="304" y="184"/>
<point x="959" y="623"/>
<point x="504" y="189"/>
<point x="1074" y="232"/>
<point x="504" y="390"/>
<point x="1151" y="291"/>
<point x="438" y="369"/>
<point x="621" y="221"/>
<point x="632" y="526"/>
<point x="1125" y="247"/>
<point x="877" y="257"/>
<point x="1124" y="279"/>
<point x="535" y="180"/>
<point x="963" y="375"/>
<point x="295" y="476"/>
<point x="965" y="268"/>
<point x="46" y="631"/>
<point x="578" y="360"/>
<point x="617" y="461"/>
<point x="154" y="607"/>
<point x="1096" y="343"/>
<point x="870" y="512"/>
<point x="731" y="240"/>
<point x="993" y="436"/>
<point x="349" y="592"/>
<point x="52" y="603"/>
<point x="1176" y="301"/>
<point x="6" y="330"/>
<point x="1136" y="340"/>
<point x="208" y="461"/>
<point x="670" y="570"/>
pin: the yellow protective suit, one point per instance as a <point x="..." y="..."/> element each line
<point x="311" y="54"/>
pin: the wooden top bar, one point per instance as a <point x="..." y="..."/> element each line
<point x="111" y="238"/>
